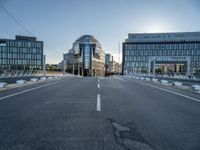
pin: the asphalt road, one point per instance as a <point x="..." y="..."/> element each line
<point x="118" y="114"/>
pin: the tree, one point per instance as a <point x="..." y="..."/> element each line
<point x="143" y="70"/>
<point x="158" y="70"/>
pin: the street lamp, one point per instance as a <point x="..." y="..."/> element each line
<point x="44" y="65"/>
<point x="64" y="63"/>
<point x="154" y="61"/>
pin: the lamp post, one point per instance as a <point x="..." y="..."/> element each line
<point x="78" y="66"/>
<point x="118" y="58"/>
<point x="44" y="65"/>
<point x="133" y="69"/>
<point x="64" y="63"/>
<point x="154" y="61"/>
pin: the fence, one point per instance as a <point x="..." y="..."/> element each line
<point x="19" y="73"/>
<point x="182" y="76"/>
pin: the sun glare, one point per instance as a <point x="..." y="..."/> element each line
<point x="155" y="28"/>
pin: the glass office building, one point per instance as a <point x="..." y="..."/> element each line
<point x="89" y="57"/>
<point x="23" y="53"/>
<point x="170" y="52"/>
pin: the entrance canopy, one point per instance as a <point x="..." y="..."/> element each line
<point x="170" y="63"/>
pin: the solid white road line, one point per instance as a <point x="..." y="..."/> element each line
<point x="169" y="91"/>
<point x="98" y="103"/>
<point x="25" y="91"/>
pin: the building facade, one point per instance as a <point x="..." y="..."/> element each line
<point x="108" y="58"/>
<point x="111" y="66"/>
<point x="89" y="57"/>
<point x="167" y="52"/>
<point x="68" y="61"/>
<point x="23" y="53"/>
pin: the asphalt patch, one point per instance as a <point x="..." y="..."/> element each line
<point x="129" y="138"/>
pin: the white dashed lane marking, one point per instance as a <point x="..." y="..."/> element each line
<point x="98" y="103"/>
<point x="98" y="97"/>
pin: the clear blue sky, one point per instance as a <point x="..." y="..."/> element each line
<point x="59" y="22"/>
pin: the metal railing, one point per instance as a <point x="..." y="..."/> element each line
<point x="19" y="73"/>
<point x="181" y="76"/>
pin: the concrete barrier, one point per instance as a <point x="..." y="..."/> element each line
<point x="164" y="81"/>
<point x="43" y="78"/>
<point x="56" y="77"/>
<point x="137" y="77"/>
<point x="3" y="84"/>
<point x="196" y="87"/>
<point x="177" y="83"/>
<point x="20" y="82"/>
<point x="147" y="79"/>
<point x="155" y="80"/>
<point x="34" y="80"/>
<point x="50" y="77"/>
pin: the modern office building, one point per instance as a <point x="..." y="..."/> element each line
<point x="111" y="66"/>
<point x="89" y="57"/>
<point x="168" y="52"/>
<point x="108" y="58"/>
<point x="68" y="61"/>
<point x="23" y="53"/>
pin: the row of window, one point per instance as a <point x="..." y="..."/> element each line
<point x="20" y="50"/>
<point x="163" y="46"/>
<point x="162" y="52"/>
<point x="21" y="56"/>
<point x="20" y="62"/>
<point x="20" y="67"/>
<point x="146" y="58"/>
<point x="136" y="64"/>
<point x="145" y="64"/>
<point x="150" y="36"/>
<point x="24" y="44"/>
